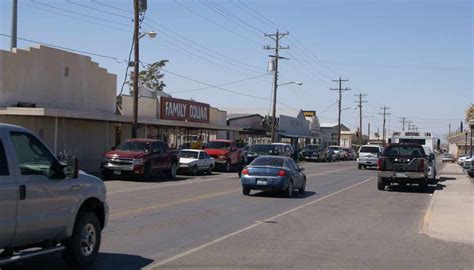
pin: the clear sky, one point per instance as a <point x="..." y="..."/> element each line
<point x="415" y="57"/>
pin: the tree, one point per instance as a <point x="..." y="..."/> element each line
<point x="151" y="77"/>
<point x="470" y="113"/>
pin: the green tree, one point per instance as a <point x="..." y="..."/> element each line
<point x="151" y="77"/>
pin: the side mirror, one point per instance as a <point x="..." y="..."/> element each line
<point x="431" y="156"/>
<point x="71" y="167"/>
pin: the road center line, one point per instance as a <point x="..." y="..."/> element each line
<point x="222" y="238"/>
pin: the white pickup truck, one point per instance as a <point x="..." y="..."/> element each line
<point x="46" y="205"/>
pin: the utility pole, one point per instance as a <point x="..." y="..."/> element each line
<point x="340" y="90"/>
<point x="360" y="102"/>
<point x="449" y="131"/>
<point x="384" y="108"/>
<point x="368" y="130"/>
<point x="136" y="39"/>
<point x="403" y="123"/>
<point x="465" y="145"/>
<point x="14" y="24"/>
<point x="276" y="37"/>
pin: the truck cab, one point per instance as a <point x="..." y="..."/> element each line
<point x="46" y="203"/>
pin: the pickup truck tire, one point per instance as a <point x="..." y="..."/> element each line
<point x="172" y="171"/>
<point x="147" y="173"/>
<point x="423" y="185"/>
<point x="209" y="170"/>
<point x="359" y="166"/>
<point x="83" y="246"/>
<point x="227" y="166"/>
<point x="380" y="183"/>
<point x="471" y="174"/>
<point x="194" y="170"/>
<point x="246" y="191"/>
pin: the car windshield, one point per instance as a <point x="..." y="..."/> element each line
<point x="369" y="149"/>
<point x="334" y="148"/>
<point x="188" y="154"/>
<point x="264" y="149"/>
<point x="311" y="147"/>
<point x="134" y="146"/>
<point x="218" y="145"/>
<point x="268" y="161"/>
<point x="405" y="151"/>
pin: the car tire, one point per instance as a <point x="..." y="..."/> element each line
<point x="471" y="174"/>
<point x="147" y="174"/>
<point x="289" y="191"/>
<point x="172" y="171"/>
<point x="209" y="170"/>
<point x="227" y="166"/>
<point x="359" y="166"/>
<point x="423" y="185"/>
<point x="194" y="170"/>
<point x="246" y="191"/>
<point x="302" y="190"/>
<point x="106" y="176"/>
<point x="380" y="183"/>
<point x="83" y="246"/>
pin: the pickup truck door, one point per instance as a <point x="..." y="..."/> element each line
<point x="45" y="195"/>
<point x="9" y="195"/>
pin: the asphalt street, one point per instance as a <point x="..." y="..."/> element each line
<point x="342" y="221"/>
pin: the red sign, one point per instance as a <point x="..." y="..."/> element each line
<point x="184" y="110"/>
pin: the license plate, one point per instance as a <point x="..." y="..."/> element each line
<point x="401" y="174"/>
<point x="117" y="172"/>
<point x="262" y="181"/>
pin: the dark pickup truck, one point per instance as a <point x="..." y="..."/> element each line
<point x="140" y="157"/>
<point x="403" y="163"/>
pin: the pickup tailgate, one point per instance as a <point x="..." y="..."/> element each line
<point x="402" y="164"/>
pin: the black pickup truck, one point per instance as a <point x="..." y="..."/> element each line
<point x="403" y="163"/>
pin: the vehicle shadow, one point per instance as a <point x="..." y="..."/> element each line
<point x="104" y="261"/>
<point x="415" y="189"/>
<point x="270" y="194"/>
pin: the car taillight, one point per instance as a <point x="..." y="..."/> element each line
<point x="245" y="172"/>
<point x="421" y="167"/>
<point x="379" y="164"/>
<point x="281" y="173"/>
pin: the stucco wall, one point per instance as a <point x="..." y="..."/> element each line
<point x="147" y="107"/>
<point x="53" y="78"/>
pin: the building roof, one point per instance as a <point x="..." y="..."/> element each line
<point x="233" y="116"/>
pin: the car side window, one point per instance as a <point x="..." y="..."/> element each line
<point x="202" y="155"/>
<point x="3" y="161"/>
<point x="292" y="164"/>
<point x="161" y="147"/>
<point x="155" y="148"/>
<point x="33" y="157"/>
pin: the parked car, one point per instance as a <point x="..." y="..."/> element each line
<point x="288" y="150"/>
<point x="448" y="158"/>
<point x="257" y="150"/>
<point x="470" y="170"/>
<point x="273" y="173"/>
<point x="314" y="152"/>
<point x="225" y="153"/>
<point x="194" y="161"/>
<point x="45" y="203"/>
<point x="140" y="157"/>
<point x="331" y="155"/>
<point x="338" y="151"/>
<point x="368" y="155"/>
<point x="461" y="160"/>
<point x="351" y="154"/>
<point x="403" y="163"/>
<point x="467" y="163"/>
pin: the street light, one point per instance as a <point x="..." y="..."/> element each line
<point x="297" y="83"/>
<point x="274" y="106"/>
<point x="151" y="34"/>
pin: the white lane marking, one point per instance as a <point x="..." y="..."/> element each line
<point x="222" y="238"/>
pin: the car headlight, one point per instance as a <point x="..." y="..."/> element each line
<point x="138" y="161"/>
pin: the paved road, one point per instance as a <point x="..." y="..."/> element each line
<point x="356" y="225"/>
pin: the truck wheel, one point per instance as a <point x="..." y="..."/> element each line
<point x="83" y="246"/>
<point x="147" y="173"/>
<point x="194" y="170"/>
<point x="106" y="176"/>
<point x="471" y="174"/>
<point x="227" y="166"/>
<point x="246" y="191"/>
<point x="359" y="166"/>
<point x="423" y="185"/>
<point x="380" y="183"/>
<point x="172" y="171"/>
<point x="209" y="170"/>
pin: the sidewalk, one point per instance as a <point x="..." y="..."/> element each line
<point x="450" y="216"/>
